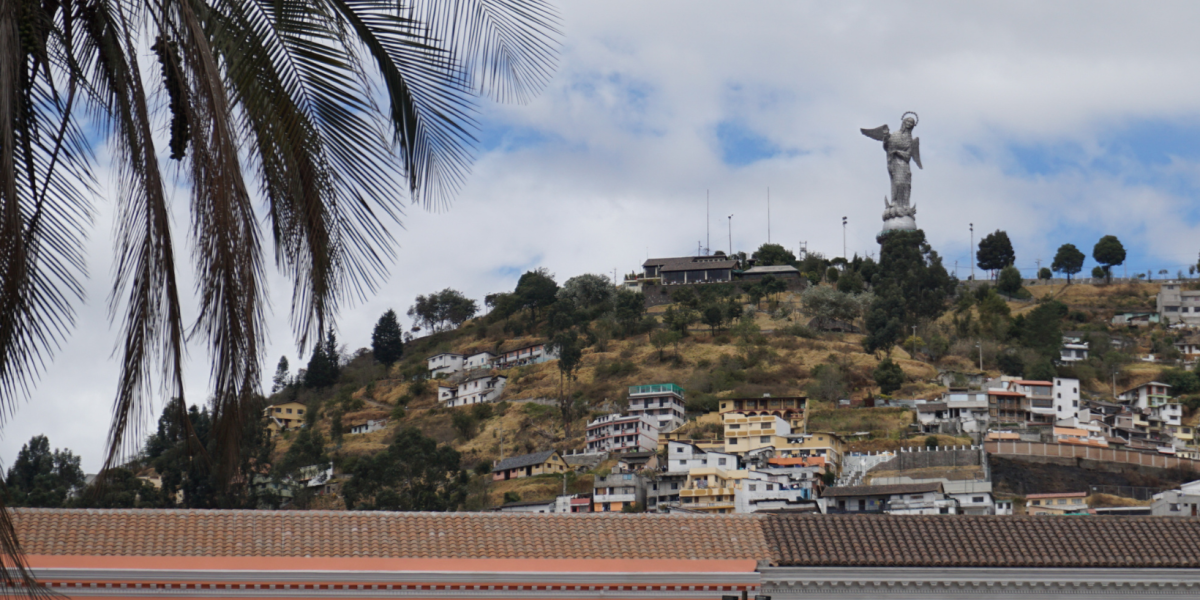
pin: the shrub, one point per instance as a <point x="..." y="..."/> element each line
<point x="511" y="497"/>
<point x="481" y="412"/>
<point x="888" y="376"/>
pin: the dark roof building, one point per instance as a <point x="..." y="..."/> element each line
<point x="690" y="269"/>
<point x="524" y="460"/>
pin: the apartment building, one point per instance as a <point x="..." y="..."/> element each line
<point x="664" y="402"/>
<point x="623" y="433"/>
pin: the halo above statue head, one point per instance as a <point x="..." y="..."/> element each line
<point x="916" y="119"/>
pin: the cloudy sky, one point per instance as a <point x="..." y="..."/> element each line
<point x="1056" y="122"/>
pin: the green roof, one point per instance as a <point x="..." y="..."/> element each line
<point x="655" y="388"/>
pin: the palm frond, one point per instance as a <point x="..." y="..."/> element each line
<point x="508" y="49"/>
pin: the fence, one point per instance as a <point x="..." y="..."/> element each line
<point x="1131" y="457"/>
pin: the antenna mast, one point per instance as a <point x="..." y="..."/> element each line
<point x="707" y="224"/>
<point x="768" y="214"/>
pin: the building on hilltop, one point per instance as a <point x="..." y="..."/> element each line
<point x="526" y="355"/>
<point x="446" y="363"/>
<point x="1178" y="305"/>
<point x="789" y="408"/>
<point x="776" y="271"/>
<point x="1147" y="395"/>
<point x="475" y="390"/>
<point x="690" y="269"/>
<point x="284" y="417"/>
<point x="1074" y="349"/>
<point x="623" y="433"/>
<point x="528" y="465"/>
<point x="663" y="402"/>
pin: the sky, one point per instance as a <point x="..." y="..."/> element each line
<point x="1055" y="122"/>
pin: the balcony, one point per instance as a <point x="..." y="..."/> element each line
<point x="603" y="498"/>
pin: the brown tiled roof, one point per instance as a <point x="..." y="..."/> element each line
<point x="882" y="490"/>
<point x="387" y="534"/>
<point x="974" y="541"/>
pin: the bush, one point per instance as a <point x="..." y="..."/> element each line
<point x="1181" y="382"/>
<point x="888" y="376"/>
<point x="1042" y="370"/>
<point x="798" y="330"/>
<point x="511" y="497"/>
<point x="464" y="423"/>
<point x="1009" y="281"/>
<point x="481" y="412"/>
<point x="1010" y="363"/>
<point x="616" y="368"/>
<point x="702" y="403"/>
<point x="931" y="441"/>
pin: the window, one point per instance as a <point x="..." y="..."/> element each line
<point x="735" y="426"/>
<point x="1173" y="507"/>
<point x="1062" y="501"/>
<point x="766" y="425"/>
<point x="766" y="439"/>
<point x="733" y="440"/>
<point x="289" y="411"/>
<point x="1076" y="501"/>
<point x="674" y="486"/>
<point x="753" y="488"/>
<point x="977" y="499"/>
<point x="720" y="461"/>
<point x="943" y="511"/>
<point x="770" y="487"/>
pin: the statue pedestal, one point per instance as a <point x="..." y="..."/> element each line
<point x="902" y="223"/>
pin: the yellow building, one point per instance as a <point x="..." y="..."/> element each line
<point x="826" y="444"/>
<point x="289" y="415"/>
<point x="791" y="408"/>
<point x="711" y="489"/>
<point x="746" y="432"/>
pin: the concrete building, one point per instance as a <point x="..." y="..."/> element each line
<point x="1056" y="504"/>
<point x="903" y="499"/>
<point x="690" y="269"/>
<point x="1066" y="399"/>
<point x="1147" y="395"/>
<point x="1178" y="305"/>
<point x="776" y="271"/>
<point x="623" y="433"/>
<point x="370" y="426"/>
<point x="525" y="355"/>
<point x="446" y="363"/>
<point x="711" y="490"/>
<point x="479" y="360"/>
<point x="475" y="390"/>
<point x="685" y="456"/>
<point x="1183" y="502"/>
<point x="1074" y="349"/>
<point x="664" y="402"/>
<point x="284" y="417"/>
<point x="662" y="495"/>
<point x="616" y="491"/>
<point x="788" y="408"/>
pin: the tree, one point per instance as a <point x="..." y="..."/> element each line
<point x="325" y="366"/>
<point x="1068" y="260"/>
<point x="121" y="488"/>
<point x="536" y="290"/>
<point x="570" y="354"/>
<point x="827" y="303"/>
<point x="629" y="308"/>
<point x="1098" y="272"/>
<point x="773" y="254"/>
<point x="995" y="252"/>
<point x="1109" y="253"/>
<point x="713" y="316"/>
<point x="1009" y="281"/>
<point x="831" y="274"/>
<point x="587" y="291"/>
<point x="41" y="478"/>
<point x="829" y="383"/>
<point x="283" y="376"/>
<point x="315" y="109"/>
<point x="850" y="282"/>
<point x="415" y="473"/>
<point x="387" y="341"/>
<point x="1043" y="329"/>
<point x="1045" y="274"/>
<point x="888" y="376"/>
<point x="447" y="307"/>
<point x="911" y="285"/>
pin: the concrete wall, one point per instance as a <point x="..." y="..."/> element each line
<point x="1069" y="454"/>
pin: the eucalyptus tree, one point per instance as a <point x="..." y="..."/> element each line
<point x="306" y="122"/>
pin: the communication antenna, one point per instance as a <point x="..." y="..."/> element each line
<point x="707" y="224"/>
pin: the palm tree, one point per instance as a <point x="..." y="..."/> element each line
<point x="264" y="99"/>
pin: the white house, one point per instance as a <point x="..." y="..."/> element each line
<point x="525" y="355"/>
<point x="682" y="457"/>
<point x="479" y="360"/>
<point x="617" y="433"/>
<point x="1066" y="400"/>
<point x="1073" y="350"/>
<point x="446" y="363"/>
<point x="368" y="427"/>
<point x="476" y="390"/>
<point x="901" y="499"/>
<point x="1183" y="502"/>
<point x="1147" y="395"/>
<point x="662" y="401"/>
<point x="760" y="491"/>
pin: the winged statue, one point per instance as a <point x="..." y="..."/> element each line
<point x="901" y="147"/>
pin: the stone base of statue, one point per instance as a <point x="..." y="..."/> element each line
<point x="898" y="218"/>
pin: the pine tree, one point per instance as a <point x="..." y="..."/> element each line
<point x="282" y="376"/>
<point x="387" y="341"/>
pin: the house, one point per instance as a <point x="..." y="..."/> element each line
<point x="623" y="433"/>
<point x="685" y="456"/>
<point x="1074" y="349"/>
<point x="690" y="269"/>
<point x="746" y="432"/>
<point x="474" y="390"/>
<point x="1066" y="400"/>
<point x="1188" y="346"/>
<point x="1178" y="305"/>
<point x="479" y="360"/>
<point x="368" y="427"/>
<point x="528" y="465"/>
<point x="789" y="408"/>
<point x="1136" y="319"/>
<point x="632" y="462"/>
<point x="573" y="503"/>
<point x="958" y="411"/>
<point x="1183" y="502"/>
<point x="446" y="363"/>
<point x="530" y="506"/>
<point x="1147" y="395"/>
<point x="905" y="499"/>
<point x="664" y="402"/>
<point x="1056" y="504"/>
<point x="1021" y="401"/>
<point x="284" y="417"/>
<point x="525" y="355"/>
<point x="617" y="491"/>
<point x="711" y="490"/>
<point x="1005" y="406"/>
<point x="662" y="493"/>
<point x="776" y="271"/>
<point x="764" y="490"/>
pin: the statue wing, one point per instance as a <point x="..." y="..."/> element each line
<point x="879" y="133"/>
<point x="916" y="152"/>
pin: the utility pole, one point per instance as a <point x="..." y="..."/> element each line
<point x="730" y="236"/>
<point x="843" y="238"/>
<point x="768" y="215"/>
<point x="707" y="224"/>
<point x="973" y="258"/>
<point x="980" y="346"/>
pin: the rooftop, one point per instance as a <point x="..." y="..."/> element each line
<point x="689" y="263"/>
<point x="1062" y="495"/>
<point x="655" y="388"/>
<point x="881" y="490"/>
<point x="525" y="460"/>
<point x="771" y="269"/>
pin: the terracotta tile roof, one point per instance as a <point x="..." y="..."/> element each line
<point x="207" y="533"/>
<point x="975" y="541"/>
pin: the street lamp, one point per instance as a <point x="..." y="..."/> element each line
<point x="972" y="252"/>
<point x="731" y="236"/>
<point x="843" y="238"/>
<point x="980" y="346"/>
